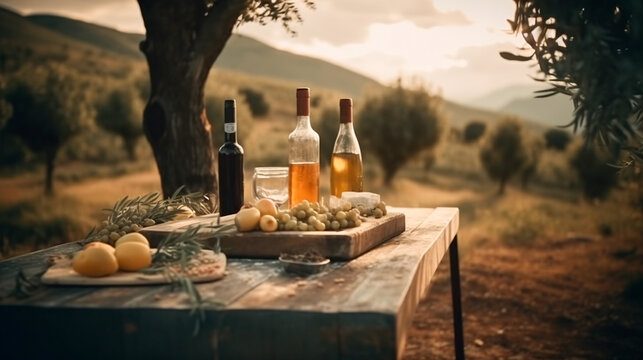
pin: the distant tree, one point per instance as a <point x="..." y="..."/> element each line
<point x="315" y="100"/>
<point x="473" y="131"/>
<point x="398" y="124"/>
<point x="6" y="110"/>
<point x="557" y="139"/>
<point x="142" y="86"/>
<point x="591" y="163"/>
<point x="327" y="126"/>
<point x="534" y="149"/>
<point x="256" y="101"/>
<point x="182" y="41"/>
<point x="49" y="108"/>
<point x="503" y="152"/>
<point x="590" y="50"/>
<point x="121" y="112"/>
<point x="214" y="110"/>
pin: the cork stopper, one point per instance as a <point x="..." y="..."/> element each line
<point x="303" y="102"/>
<point x="345" y="110"/>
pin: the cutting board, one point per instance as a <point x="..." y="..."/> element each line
<point x="339" y="245"/>
<point x="209" y="266"/>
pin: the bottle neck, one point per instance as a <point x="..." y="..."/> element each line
<point x="346" y="141"/>
<point x="230" y="132"/>
<point x="230" y="121"/>
<point x="346" y="128"/>
<point x="303" y="122"/>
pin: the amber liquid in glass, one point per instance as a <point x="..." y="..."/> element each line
<point x="303" y="183"/>
<point x="345" y="173"/>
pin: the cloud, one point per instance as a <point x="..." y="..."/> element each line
<point x="481" y="71"/>
<point x="342" y="22"/>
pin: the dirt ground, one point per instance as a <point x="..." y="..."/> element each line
<point x="562" y="300"/>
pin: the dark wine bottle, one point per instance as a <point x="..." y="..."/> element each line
<point x="230" y="164"/>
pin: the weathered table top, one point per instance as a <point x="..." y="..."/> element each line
<point x="359" y="309"/>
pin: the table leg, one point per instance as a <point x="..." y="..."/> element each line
<point x="456" y="299"/>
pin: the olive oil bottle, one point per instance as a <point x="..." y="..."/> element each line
<point x="346" y="161"/>
<point x="303" y="155"/>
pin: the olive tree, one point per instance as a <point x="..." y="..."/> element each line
<point x="590" y="50"/>
<point x="534" y="149"/>
<point x="591" y="163"/>
<point x="503" y="152"/>
<point x="120" y="112"/>
<point x="182" y="41"/>
<point x="6" y="110"/>
<point x="473" y="131"/>
<point x="256" y="101"/>
<point x="49" y="108"/>
<point x="557" y="139"/>
<point x="398" y="124"/>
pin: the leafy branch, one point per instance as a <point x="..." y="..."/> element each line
<point x="133" y="214"/>
<point x="590" y="50"/>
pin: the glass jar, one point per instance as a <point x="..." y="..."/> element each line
<point x="271" y="183"/>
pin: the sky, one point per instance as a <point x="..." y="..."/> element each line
<point x="450" y="45"/>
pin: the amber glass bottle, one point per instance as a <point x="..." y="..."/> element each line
<point x="346" y="161"/>
<point x="303" y="155"/>
<point x="230" y="164"/>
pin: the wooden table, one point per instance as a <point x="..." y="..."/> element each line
<point x="359" y="309"/>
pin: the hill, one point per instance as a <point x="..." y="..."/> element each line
<point x="498" y="98"/>
<point x="555" y="110"/>
<point x="520" y="100"/>
<point x="241" y="54"/>
<point x="91" y="34"/>
<point x="17" y="30"/>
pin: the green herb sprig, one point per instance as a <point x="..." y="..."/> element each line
<point x="133" y="214"/>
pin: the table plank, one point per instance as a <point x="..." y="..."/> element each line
<point x="359" y="309"/>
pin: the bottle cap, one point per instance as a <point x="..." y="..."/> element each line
<point x="229" y="111"/>
<point x="345" y="110"/>
<point x="303" y="101"/>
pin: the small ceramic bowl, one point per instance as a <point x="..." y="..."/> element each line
<point x="303" y="267"/>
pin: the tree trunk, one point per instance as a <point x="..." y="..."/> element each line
<point x="525" y="180"/>
<point x="182" y="41"/>
<point x="501" y="189"/>
<point x="130" y="147"/>
<point x="50" y="159"/>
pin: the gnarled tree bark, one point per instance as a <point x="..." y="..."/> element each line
<point x="183" y="40"/>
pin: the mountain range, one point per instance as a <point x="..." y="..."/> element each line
<point x="241" y="54"/>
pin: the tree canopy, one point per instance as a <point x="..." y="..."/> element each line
<point x="590" y="50"/>
<point x="49" y="108"/>
<point x="399" y="124"/>
<point x="503" y="152"/>
<point x="120" y="112"/>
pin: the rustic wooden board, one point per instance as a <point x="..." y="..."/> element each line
<point x="61" y="273"/>
<point x="338" y="245"/>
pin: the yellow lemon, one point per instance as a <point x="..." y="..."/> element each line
<point x="133" y="237"/>
<point x="247" y="219"/>
<point x="99" y="244"/>
<point x="95" y="261"/>
<point x="133" y="256"/>
<point x="266" y="207"/>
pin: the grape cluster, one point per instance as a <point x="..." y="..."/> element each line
<point x="307" y="216"/>
<point x="110" y="232"/>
